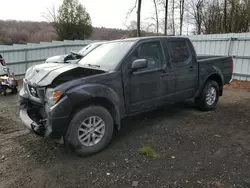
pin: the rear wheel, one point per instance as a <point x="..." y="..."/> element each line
<point x="3" y="91"/>
<point x="209" y="97"/>
<point x="90" y="130"/>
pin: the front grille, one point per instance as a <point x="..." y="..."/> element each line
<point x="37" y="94"/>
<point x="33" y="91"/>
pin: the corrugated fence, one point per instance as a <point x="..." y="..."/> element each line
<point x="20" y="57"/>
<point x="236" y="45"/>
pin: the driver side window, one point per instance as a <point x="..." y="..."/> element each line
<point x="152" y="52"/>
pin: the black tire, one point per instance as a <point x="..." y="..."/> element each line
<point x="71" y="136"/>
<point x="4" y="92"/>
<point x="201" y="101"/>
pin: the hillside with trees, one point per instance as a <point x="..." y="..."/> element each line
<point x="19" y="32"/>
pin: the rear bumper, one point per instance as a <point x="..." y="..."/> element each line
<point x="43" y="120"/>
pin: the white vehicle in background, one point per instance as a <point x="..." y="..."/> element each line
<point x="73" y="57"/>
<point x="3" y="67"/>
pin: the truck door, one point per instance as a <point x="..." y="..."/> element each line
<point x="185" y="67"/>
<point x="142" y="88"/>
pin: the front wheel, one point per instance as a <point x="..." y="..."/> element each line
<point x="90" y="130"/>
<point x="209" y="97"/>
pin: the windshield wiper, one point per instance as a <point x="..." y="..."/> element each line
<point x="91" y="65"/>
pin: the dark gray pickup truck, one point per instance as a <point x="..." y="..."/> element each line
<point x="82" y="104"/>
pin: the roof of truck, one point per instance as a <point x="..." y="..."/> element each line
<point x="149" y="37"/>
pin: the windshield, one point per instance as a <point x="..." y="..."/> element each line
<point x="87" y="49"/>
<point x="108" y="55"/>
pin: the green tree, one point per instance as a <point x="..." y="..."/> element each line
<point x="72" y="21"/>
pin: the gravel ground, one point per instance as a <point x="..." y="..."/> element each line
<point x="196" y="149"/>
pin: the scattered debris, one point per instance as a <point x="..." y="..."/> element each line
<point x="94" y="181"/>
<point x="199" y="182"/>
<point x="219" y="136"/>
<point x="135" y="183"/>
<point x="218" y="183"/>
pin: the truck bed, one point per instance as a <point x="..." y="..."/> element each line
<point x="224" y="63"/>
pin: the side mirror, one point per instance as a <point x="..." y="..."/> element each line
<point x="139" y="64"/>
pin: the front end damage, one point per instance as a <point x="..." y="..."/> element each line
<point x="33" y="113"/>
<point x="34" y="117"/>
<point x="44" y="110"/>
<point x="38" y="117"/>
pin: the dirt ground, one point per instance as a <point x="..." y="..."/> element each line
<point x="196" y="149"/>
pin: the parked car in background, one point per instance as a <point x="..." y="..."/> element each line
<point x="73" y="57"/>
<point x="3" y="67"/>
<point x="82" y="104"/>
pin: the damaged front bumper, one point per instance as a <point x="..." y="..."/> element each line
<point x="30" y="124"/>
<point x="33" y="119"/>
<point x="43" y="120"/>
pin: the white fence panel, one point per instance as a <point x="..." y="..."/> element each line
<point x="235" y="45"/>
<point x="20" y="57"/>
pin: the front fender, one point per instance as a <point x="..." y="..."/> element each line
<point x="86" y="91"/>
<point x="81" y="94"/>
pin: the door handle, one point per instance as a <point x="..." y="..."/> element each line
<point x="165" y="74"/>
<point x="191" y="68"/>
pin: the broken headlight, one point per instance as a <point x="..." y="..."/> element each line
<point x="52" y="96"/>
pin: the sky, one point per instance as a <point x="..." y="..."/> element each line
<point x="104" y="13"/>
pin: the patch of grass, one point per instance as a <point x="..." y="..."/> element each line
<point x="149" y="152"/>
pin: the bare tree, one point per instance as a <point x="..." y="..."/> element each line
<point x="173" y="16"/>
<point x="225" y="15"/>
<point x="166" y="18"/>
<point x="131" y="10"/>
<point x="138" y="12"/>
<point x="199" y="6"/>
<point x="195" y="9"/>
<point x="139" y="18"/>
<point x="181" y="14"/>
<point x="156" y="17"/>
<point x="51" y="16"/>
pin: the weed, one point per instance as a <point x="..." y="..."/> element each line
<point x="149" y="152"/>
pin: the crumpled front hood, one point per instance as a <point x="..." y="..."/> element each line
<point x="44" y="74"/>
<point x="56" y="59"/>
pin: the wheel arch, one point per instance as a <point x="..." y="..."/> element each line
<point x="100" y="101"/>
<point x="217" y="78"/>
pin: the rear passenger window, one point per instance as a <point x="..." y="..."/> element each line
<point x="178" y="52"/>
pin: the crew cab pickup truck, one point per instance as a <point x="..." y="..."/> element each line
<point x="82" y="104"/>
